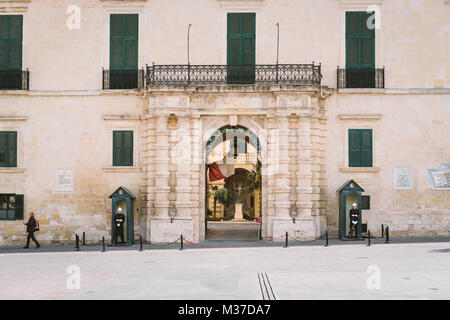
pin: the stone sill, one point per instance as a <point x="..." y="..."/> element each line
<point x="396" y="91"/>
<point x="13" y="118"/>
<point x="227" y="88"/>
<point x="368" y="116"/>
<point x="11" y="170"/>
<point x="122" y="169"/>
<point x="360" y="170"/>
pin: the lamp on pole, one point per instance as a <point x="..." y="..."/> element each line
<point x="278" y="48"/>
<point x="188" y="58"/>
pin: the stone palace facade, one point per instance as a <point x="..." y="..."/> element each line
<point x="107" y="103"/>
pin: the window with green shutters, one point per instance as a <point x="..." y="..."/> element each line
<point x="360" y="40"/>
<point x="8" y="149"/>
<point x="241" y="48"/>
<point x="11" y="51"/>
<point x="11" y="206"/>
<point x="360" y="147"/>
<point x="10" y="42"/>
<point x="123" y="148"/>
<point x="124" y="31"/>
<point x="360" y="50"/>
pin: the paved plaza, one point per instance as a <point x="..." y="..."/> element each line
<point x="344" y="270"/>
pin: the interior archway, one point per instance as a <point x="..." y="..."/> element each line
<point x="233" y="184"/>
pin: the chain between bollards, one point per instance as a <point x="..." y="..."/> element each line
<point x="387" y="235"/>
<point x="181" y="242"/>
<point x="103" y="244"/>
<point x="140" y="243"/>
<point x="326" y="238"/>
<point x="286" y="244"/>
<point x="368" y="234"/>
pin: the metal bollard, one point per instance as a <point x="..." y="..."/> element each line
<point x="140" y="243"/>
<point x="326" y="238"/>
<point x="368" y="233"/>
<point x="286" y="242"/>
<point x="181" y="244"/>
<point x="382" y="230"/>
<point x="387" y="235"/>
<point x="103" y="244"/>
<point x="84" y="238"/>
<point x="77" y="242"/>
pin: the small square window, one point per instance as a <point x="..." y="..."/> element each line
<point x="365" y="202"/>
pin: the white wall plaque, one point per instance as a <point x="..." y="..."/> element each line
<point x="64" y="180"/>
<point x="439" y="179"/>
<point x="403" y="178"/>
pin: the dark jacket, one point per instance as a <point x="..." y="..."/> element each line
<point x="31" y="224"/>
<point x="354" y="215"/>
<point x="119" y="220"/>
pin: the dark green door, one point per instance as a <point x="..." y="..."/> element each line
<point x="360" y="50"/>
<point x="124" y="51"/>
<point x="11" y="51"/>
<point x="241" y="48"/>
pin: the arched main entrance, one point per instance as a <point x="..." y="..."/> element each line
<point x="233" y="185"/>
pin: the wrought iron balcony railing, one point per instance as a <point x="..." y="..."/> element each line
<point x="14" y="80"/>
<point x="123" y="79"/>
<point x="288" y="74"/>
<point x="360" y="78"/>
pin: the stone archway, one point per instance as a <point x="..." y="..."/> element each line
<point x="236" y="151"/>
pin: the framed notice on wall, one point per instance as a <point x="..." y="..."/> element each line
<point x="403" y="178"/>
<point x="64" y="180"/>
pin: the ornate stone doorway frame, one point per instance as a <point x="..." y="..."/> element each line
<point x="262" y="156"/>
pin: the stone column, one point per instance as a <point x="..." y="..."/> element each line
<point x="197" y="178"/>
<point x="304" y="167"/>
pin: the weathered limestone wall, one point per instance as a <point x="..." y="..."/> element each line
<point x="409" y="130"/>
<point x="410" y="31"/>
<point x="68" y="131"/>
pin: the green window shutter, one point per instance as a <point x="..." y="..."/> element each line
<point x="124" y="41"/>
<point x="19" y="206"/>
<point x="366" y="148"/>
<point x="354" y="148"/>
<point x="8" y="149"/>
<point x="241" y="47"/>
<point x="360" y="41"/>
<point x="123" y="148"/>
<point x="360" y="147"/>
<point x="11" y="42"/>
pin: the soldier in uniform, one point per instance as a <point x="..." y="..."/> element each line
<point x="119" y="220"/>
<point x="354" y="220"/>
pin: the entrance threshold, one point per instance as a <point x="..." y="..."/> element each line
<point x="232" y="231"/>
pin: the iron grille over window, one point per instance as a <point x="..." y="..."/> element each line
<point x="288" y="74"/>
<point x="123" y="79"/>
<point x="14" y="80"/>
<point x="360" y="78"/>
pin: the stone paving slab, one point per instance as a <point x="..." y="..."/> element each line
<point x="407" y="271"/>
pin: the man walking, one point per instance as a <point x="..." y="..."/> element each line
<point x="32" y="226"/>
<point x="119" y="220"/>
<point x="354" y="220"/>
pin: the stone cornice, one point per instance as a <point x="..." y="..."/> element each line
<point x="13" y="118"/>
<point x="367" y="116"/>
<point x="14" y="5"/>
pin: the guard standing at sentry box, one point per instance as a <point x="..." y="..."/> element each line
<point x="119" y="220"/>
<point x="354" y="220"/>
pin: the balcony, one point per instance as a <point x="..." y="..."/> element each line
<point x="278" y="74"/>
<point x="360" y="78"/>
<point x="14" y="80"/>
<point x="123" y="79"/>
